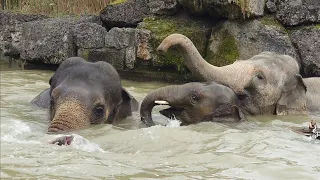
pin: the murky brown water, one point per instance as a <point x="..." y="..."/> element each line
<point x="263" y="148"/>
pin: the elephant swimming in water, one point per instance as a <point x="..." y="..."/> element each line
<point x="83" y="93"/>
<point x="193" y="103"/>
<point x="267" y="83"/>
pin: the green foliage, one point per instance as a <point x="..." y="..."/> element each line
<point x="162" y="27"/>
<point x="57" y="7"/>
<point x="227" y="51"/>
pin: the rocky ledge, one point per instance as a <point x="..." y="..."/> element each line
<point x="127" y="33"/>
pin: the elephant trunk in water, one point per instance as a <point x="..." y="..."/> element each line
<point x="157" y="97"/>
<point x="69" y="115"/>
<point x="197" y="65"/>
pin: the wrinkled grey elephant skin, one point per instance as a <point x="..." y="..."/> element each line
<point x="193" y="103"/>
<point x="267" y="83"/>
<point x="83" y="93"/>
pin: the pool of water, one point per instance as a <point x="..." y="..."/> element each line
<point x="263" y="148"/>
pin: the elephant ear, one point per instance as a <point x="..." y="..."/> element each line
<point x="42" y="100"/>
<point x="128" y="105"/>
<point x="293" y="97"/>
<point x="227" y="113"/>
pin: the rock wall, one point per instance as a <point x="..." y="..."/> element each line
<point x="127" y="34"/>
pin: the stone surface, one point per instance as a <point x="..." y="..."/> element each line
<point x="163" y="7"/>
<point x="49" y="41"/>
<point x="307" y="41"/>
<point x="295" y="12"/>
<point x="89" y="35"/>
<point x="232" y="40"/>
<point x="120" y="38"/>
<point x="127" y="14"/>
<point x="144" y="49"/>
<point x="230" y="9"/>
<point x="10" y="31"/>
<point x="160" y="28"/>
<point x="130" y="57"/>
<point x="53" y="40"/>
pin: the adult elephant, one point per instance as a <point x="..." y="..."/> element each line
<point x="192" y="103"/>
<point x="267" y="83"/>
<point x="83" y="93"/>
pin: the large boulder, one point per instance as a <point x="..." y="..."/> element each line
<point x="125" y="14"/>
<point x="295" y="12"/>
<point x="230" y="9"/>
<point x="10" y="31"/>
<point x="128" y="13"/>
<point x="53" y="40"/>
<point x="162" y="27"/>
<point x="241" y="40"/>
<point x="163" y="7"/>
<point x="89" y="35"/>
<point x="307" y="41"/>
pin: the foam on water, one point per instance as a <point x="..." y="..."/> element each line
<point x="84" y="144"/>
<point x="173" y="123"/>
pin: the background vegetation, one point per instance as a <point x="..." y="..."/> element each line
<point x="55" y="7"/>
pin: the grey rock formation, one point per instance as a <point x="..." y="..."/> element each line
<point x="307" y="41"/>
<point x="127" y="14"/>
<point x="131" y="12"/>
<point x="225" y="8"/>
<point x="10" y="31"/>
<point x="163" y="7"/>
<point x="120" y="38"/>
<point x="295" y="12"/>
<point x="89" y="35"/>
<point x="144" y="49"/>
<point x="233" y="40"/>
<point x="49" y="41"/>
<point x="53" y="40"/>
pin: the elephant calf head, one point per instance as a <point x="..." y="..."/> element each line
<point x="192" y="103"/>
<point x="83" y="93"/>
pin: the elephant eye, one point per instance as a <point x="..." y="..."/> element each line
<point x="260" y="76"/>
<point x="194" y="98"/>
<point x="98" y="111"/>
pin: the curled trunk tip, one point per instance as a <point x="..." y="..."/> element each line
<point x="172" y="40"/>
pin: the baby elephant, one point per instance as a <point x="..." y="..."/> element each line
<point x="193" y="103"/>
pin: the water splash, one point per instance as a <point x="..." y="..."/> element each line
<point x="84" y="144"/>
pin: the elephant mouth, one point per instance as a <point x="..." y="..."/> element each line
<point x="58" y="127"/>
<point x="173" y="112"/>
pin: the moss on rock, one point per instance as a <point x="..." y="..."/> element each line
<point x="271" y="21"/>
<point x="84" y="53"/>
<point x="227" y="51"/>
<point x="163" y="27"/>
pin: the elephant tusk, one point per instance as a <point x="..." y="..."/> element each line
<point x="161" y="102"/>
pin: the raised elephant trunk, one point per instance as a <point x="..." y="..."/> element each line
<point x="196" y="64"/>
<point x="70" y="115"/>
<point x="157" y="97"/>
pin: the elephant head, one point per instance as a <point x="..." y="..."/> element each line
<point x="192" y="103"/>
<point x="267" y="83"/>
<point x="83" y="93"/>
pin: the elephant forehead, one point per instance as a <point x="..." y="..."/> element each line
<point x="82" y="96"/>
<point x="74" y="106"/>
